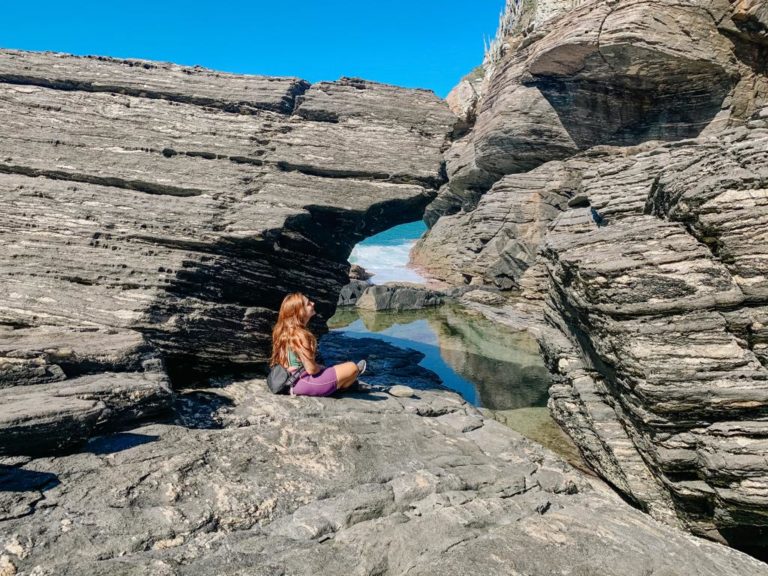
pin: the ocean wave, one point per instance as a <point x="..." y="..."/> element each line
<point x="387" y="263"/>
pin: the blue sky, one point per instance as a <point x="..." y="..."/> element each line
<point x="416" y="43"/>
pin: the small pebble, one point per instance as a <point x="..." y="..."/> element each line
<point x="401" y="391"/>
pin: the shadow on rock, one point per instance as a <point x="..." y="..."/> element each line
<point x="19" y="480"/>
<point x="117" y="442"/>
<point x="201" y="409"/>
<point x="387" y="364"/>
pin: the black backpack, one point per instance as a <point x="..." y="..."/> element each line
<point x="280" y="381"/>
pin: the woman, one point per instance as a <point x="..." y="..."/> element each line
<point x="294" y="347"/>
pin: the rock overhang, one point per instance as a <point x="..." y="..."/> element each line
<point x="141" y="201"/>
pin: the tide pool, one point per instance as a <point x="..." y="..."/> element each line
<point x="488" y="365"/>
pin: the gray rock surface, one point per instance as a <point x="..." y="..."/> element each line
<point x="618" y="73"/>
<point x="148" y="79"/>
<point x="643" y="245"/>
<point x="398" y="296"/>
<point x="153" y="226"/>
<point x="52" y="417"/>
<point x="495" y="243"/>
<point x="158" y="213"/>
<point x="378" y="484"/>
<point x="351" y="292"/>
<point x="647" y="302"/>
<point x="656" y="292"/>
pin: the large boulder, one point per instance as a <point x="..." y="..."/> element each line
<point x="398" y="296"/>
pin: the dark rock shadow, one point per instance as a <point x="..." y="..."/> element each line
<point x="117" y="442"/>
<point x="388" y="365"/>
<point x="217" y="312"/>
<point x="200" y="410"/>
<point x="625" y="95"/>
<point x="19" y="480"/>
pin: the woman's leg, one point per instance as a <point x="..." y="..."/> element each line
<point x="346" y="374"/>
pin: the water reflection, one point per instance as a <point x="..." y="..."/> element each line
<point x="489" y="366"/>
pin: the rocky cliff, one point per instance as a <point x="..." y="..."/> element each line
<point x="155" y="216"/>
<point x="616" y="172"/>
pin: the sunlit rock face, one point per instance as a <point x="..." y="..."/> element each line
<point x="626" y="146"/>
<point x="581" y="75"/>
<point x="155" y="215"/>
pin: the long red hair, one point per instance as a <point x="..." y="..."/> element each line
<point x="290" y="331"/>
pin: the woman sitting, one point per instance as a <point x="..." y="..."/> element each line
<point x="294" y="347"/>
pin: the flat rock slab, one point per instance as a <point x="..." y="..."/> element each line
<point x="58" y="416"/>
<point x="332" y="485"/>
<point x="143" y="78"/>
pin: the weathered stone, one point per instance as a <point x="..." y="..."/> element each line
<point x="649" y="259"/>
<point x="147" y="79"/>
<point x="398" y="296"/>
<point x="495" y="243"/>
<point x="463" y="99"/>
<point x="649" y="55"/>
<point x="370" y="486"/>
<point x="60" y="415"/>
<point x="357" y="272"/>
<point x="483" y="297"/>
<point x="619" y="73"/>
<point x="156" y="213"/>
<point x="352" y="292"/>
<point x="401" y="391"/>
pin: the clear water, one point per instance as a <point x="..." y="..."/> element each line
<point x="489" y="366"/>
<point x="386" y="255"/>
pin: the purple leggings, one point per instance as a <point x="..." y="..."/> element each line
<point x="323" y="383"/>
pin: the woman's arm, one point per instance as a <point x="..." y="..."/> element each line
<point x="304" y="349"/>
<point x="309" y="364"/>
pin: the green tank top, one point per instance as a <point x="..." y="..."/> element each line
<point x="293" y="360"/>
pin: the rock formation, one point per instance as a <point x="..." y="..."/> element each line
<point x="155" y="216"/>
<point x="617" y="173"/>
<point x="398" y="296"/>
<point x="245" y="482"/>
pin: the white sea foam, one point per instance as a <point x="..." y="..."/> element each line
<point x="388" y="263"/>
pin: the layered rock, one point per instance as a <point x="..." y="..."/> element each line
<point x="603" y="73"/>
<point x="351" y="292"/>
<point x="643" y="240"/>
<point x="157" y="211"/>
<point x="655" y="276"/>
<point x="398" y="296"/>
<point x="495" y="243"/>
<point x="242" y="480"/>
